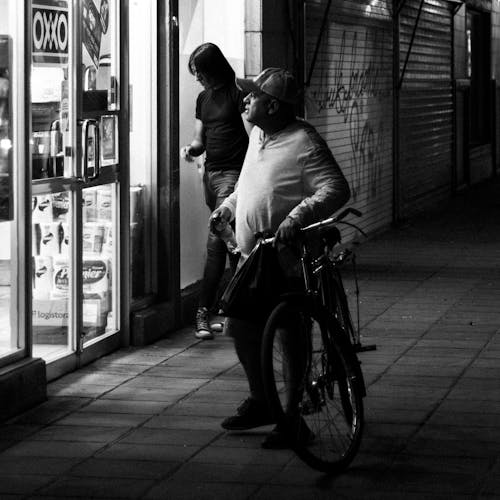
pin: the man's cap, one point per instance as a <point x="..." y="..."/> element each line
<point x="276" y="82"/>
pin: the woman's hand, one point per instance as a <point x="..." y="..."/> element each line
<point x="187" y="153"/>
<point x="220" y="216"/>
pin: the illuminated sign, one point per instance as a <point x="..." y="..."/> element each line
<point x="50" y="32"/>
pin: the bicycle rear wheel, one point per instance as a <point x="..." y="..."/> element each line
<point x="312" y="385"/>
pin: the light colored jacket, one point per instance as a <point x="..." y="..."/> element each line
<point x="290" y="173"/>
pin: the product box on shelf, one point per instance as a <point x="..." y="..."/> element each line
<point x="89" y="205"/>
<point x="42" y="208"/>
<point x="97" y="280"/>
<point x="50" y="312"/>
<point x="104" y="204"/>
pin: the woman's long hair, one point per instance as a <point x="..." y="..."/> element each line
<point x="209" y="60"/>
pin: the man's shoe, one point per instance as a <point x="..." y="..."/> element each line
<point x="250" y="414"/>
<point x="278" y="439"/>
<point x="203" y="330"/>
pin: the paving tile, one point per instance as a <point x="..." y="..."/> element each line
<point x="390" y="402"/>
<point x="17" y="432"/>
<point x="107" y="468"/>
<point x="112" y="367"/>
<point x="186" y="371"/>
<point x="426" y="481"/>
<point x="121" y="406"/>
<point x="417" y="381"/>
<point x="170" y="436"/>
<point x="232" y="473"/>
<point x="79" y="390"/>
<point x="146" y="381"/>
<point x="200" y="491"/>
<point x="51" y="410"/>
<point x="79" y="434"/>
<point x="158" y="453"/>
<point x="188" y="422"/>
<point x="91" y="376"/>
<point x="86" y="487"/>
<point x="144" y="394"/>
<point x="488" y="434"/>
<point x="242" y="439"/>
<point x="455" y="465"/>
<point x="55" y="449"/>
<point x="453" y="448"/>
<point x="22" y="484"/>
<point x="476" y="390"/>
<point x="245" y="455"/>
<point x="97" y="419"/>
<point x="20" y="465"/>
<point x="396" y="416"/>
<point x="382" y="388"/>
<point x="216" y="409"/>
<point x="454" y="418"/>
<point x="470" y="406"/>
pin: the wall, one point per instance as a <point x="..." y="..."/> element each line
<point x="220" y="22"/>
<point x="349" y="99"/>
<point x="426" y="106"/>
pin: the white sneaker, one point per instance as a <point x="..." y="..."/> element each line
<point x="203" y="330"/>
<point x="217" y="326"/>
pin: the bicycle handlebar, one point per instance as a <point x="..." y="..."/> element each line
<point x="332" y="220"/>
<point x="325" y="222"/>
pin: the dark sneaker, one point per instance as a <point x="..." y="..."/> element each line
<point x="203" y="330"/>
<point x="278" y="439"/>
<point x="250" y="414"/>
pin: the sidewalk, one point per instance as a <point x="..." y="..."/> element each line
<point x="143" y="423"/>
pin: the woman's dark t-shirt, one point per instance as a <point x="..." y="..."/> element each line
<point x="226" y="140"/>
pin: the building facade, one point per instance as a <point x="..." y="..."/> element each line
<point x="104" y="225"/>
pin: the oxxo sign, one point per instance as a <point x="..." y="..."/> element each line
<point x="50" y="33"/>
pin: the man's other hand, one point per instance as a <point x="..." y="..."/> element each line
<point x="288" y="231"/>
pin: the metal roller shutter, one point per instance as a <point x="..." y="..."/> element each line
<point x="349" y="96"/>
<point x="426" y="105"/>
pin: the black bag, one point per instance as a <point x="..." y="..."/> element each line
<point x="256" y="286"/>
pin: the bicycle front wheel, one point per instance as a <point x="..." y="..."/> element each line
<point x="311" y="381"/>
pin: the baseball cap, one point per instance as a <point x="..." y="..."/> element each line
<point x="276" y="82"/>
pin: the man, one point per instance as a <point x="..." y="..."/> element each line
<point x="289" y="179"/>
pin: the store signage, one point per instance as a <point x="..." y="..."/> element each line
<point x="50" y="32"/>
<point x="92" y="30"/>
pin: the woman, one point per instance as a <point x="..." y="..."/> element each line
<point x="220" y="132"/>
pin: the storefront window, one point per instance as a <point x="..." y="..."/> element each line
<point x="9" y="256"/>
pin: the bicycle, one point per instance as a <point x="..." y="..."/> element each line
<point x="312" y="376"/>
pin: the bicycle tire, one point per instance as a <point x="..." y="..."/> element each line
<point x="327" y="395"/>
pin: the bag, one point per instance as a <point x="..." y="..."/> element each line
<point x="256" y="286"/>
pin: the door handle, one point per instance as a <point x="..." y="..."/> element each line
<point x="94" y="150"/>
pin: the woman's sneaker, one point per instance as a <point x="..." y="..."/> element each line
<point x="217" y="326"/>
<point x="203" y="330"/>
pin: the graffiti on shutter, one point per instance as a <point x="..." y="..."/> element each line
<point x="349" y="98"/>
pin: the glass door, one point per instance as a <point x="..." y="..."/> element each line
<point x="76" y="177"/>
<point x="13" y="184"/>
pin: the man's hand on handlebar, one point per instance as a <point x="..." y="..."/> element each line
<point x="288" y="231"/>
